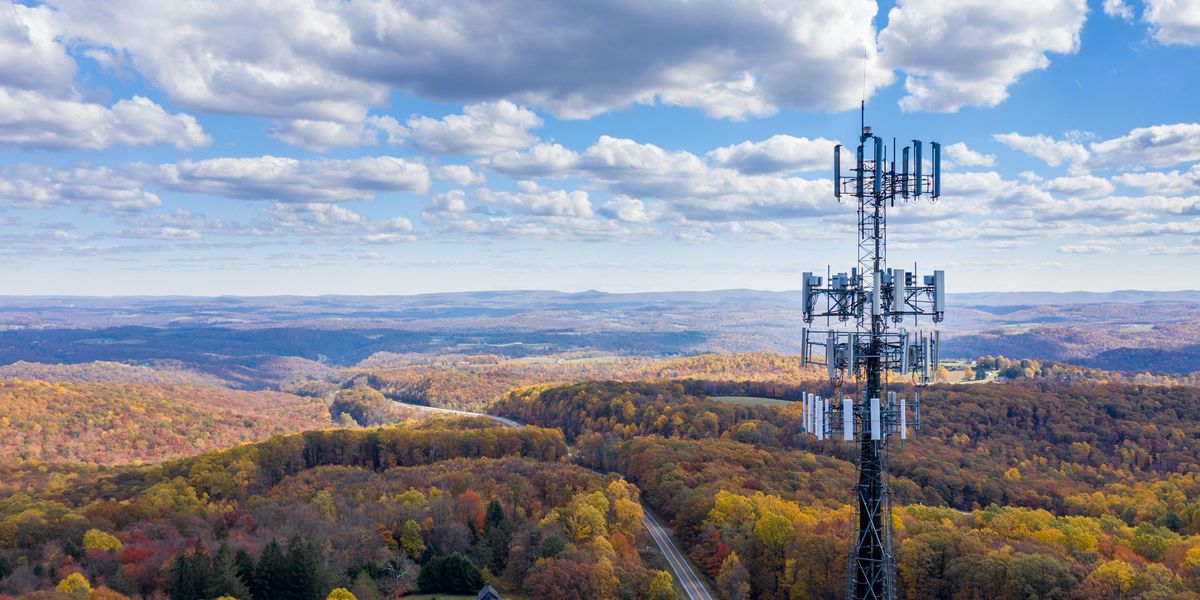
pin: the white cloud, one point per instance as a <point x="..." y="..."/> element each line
<point x="1053" y="152"/>
<point x="30" y="119"/>
<point x="40" y="107"/>
<point x="1174" y="21"/>
<point x="1156" y="147"/>
<point x="1119" y="9"/>
<point x="453" y="201"/>
<point x="485" y="128"/>
<point x="532" y="199"/>
<point x="30" y="57"/>
<point x="959" y="154"/>
<point x="292" y="180"/>
<point x="327" y="135"/>
<point x="542" y="160"/>
<point x="270" y="59"/>
<point x="683" y="181"/>
<point x="333" y="61"/>
<point x="1079" y="186"/>
<point x="35" y="186"/>
<point x="969" y="52"/>
<point x="459" y="175"/>
<point x="776" y="154"/>
<point x="330" y="219"/>
<point x="1171" y="183"/>
<point x="630" y="210"/>
<point x="1084" y="249"/>
<point x="1004" y="244"/>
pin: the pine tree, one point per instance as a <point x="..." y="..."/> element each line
<point x="190" y="576"/>
<point x="497" y="538"/>
<point x="224" y="580"/>
<point x="306" y="570"/>
<point x="244" y="566"/>
<point x="271" y="574"/>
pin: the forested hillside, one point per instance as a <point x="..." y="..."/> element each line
<point x="116" y="423"/>
<point x="1070" y="490"/>
<point x="439" y="507"/>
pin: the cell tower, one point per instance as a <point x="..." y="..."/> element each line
<point x="870" y="303"/>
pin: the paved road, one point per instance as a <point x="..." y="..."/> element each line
<point x="462" y="413"/>
<point x="692" y="585"/>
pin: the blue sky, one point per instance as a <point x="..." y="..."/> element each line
<point x="308" y="147"/>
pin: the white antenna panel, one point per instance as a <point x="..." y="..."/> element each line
<point x="876" y="424"/>
<point x="847" y="420"/>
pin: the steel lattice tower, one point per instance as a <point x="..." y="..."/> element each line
<point x="864" y="352"/>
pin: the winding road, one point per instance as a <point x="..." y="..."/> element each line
<point x="692" y="584"/>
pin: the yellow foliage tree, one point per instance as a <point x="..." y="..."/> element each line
<point x="341" y="594"/>
<point x="75" y="585"/>
<point x="100" y="541"/>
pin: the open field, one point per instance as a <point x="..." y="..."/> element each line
<point x="751" y="400"/>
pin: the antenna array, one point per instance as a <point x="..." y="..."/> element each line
<point x="866" y="350"/>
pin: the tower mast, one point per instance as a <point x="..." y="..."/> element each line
<point x="866" y="350"/>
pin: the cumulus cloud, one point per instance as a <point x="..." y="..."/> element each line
<point x="532" y="199"/>
<point x="328" y="135"/>
<point x="333" y="61"/>
<point x="1173" y="182"/>
<point x="1053" y="152"/>
<point x="1156" y="147"/>
<point x="484" y="128"/>
<point x="968" y="53"/>
<point x="776" y="154"/>
<point x="315" y="218"/>
<point x="542" y="160"/>
<point x="459" y="175"/>
<point x="29" y="119"/>
<point x="292" y="180"/>
<point x="40" y="107"/>
<point x="30" y="57"/>
<point x="1144" y="147"/>
<point x="684" y="182"/>
<point x="1174" y="21"/>
<point x="630" y="210"/>
<point x="959" y="154"/>
<point x="34" y="186"/>
<point x="1119" y="9"/>
<point x="1079" y="186"/>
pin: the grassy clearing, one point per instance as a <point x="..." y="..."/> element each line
<point x="751" y="401"/>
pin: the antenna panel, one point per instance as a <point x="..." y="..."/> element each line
<point x="876" y="424"/>
<point x="937" y="169"/>
<point x="820" y="418"/>
<point x="878" y="165"/>
<point x="837" y="171"/>
<point x="916" y="167"/>
<point x="847" y="420"/>
<point x="859" y="174"/>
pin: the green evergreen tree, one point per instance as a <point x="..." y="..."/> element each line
<point x="453" y="574"/>
<point x="306" y="570"/>
<point x="190" y="576"/>
<point x="271" y="573"/>
<point x="497" y="538"/>
<point x="224" y="580"/>
<point x="244" y="566"/>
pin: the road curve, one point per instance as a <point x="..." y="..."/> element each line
<point x="462" y="413"/>
<point x="692" y="585"/>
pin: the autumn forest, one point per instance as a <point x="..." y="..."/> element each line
<point x="1029" y="479"/>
